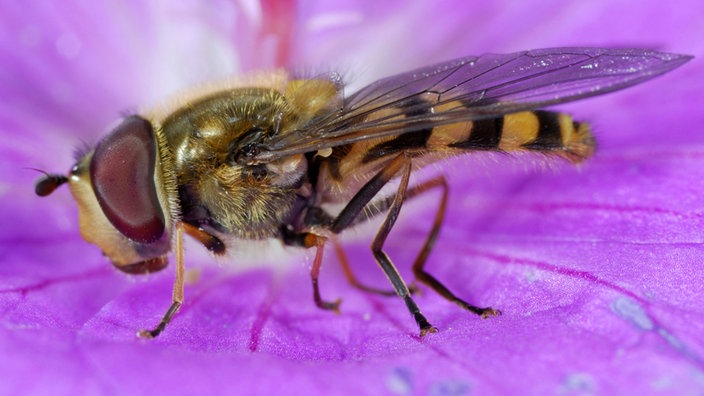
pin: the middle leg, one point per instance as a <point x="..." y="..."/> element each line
<point x="400" y="164"/>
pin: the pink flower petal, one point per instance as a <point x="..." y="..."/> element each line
<point x="597" y="269"/>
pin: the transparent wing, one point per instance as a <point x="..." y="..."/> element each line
<point x="473" y="88"/>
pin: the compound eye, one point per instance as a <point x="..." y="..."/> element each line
<point x="122" y="174"/>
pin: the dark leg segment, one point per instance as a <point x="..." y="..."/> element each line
<point x="419" y="264"/>
<point x="211" y="242"/>
<point x="359" y="202"/>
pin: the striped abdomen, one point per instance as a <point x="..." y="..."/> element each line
<point x="543" y="131"/>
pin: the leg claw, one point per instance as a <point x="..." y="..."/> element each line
<point x="146" y="334"/>
<point x="330" y="306"/>
<point x="426" y="330"/>
<point x="489" y="312"/>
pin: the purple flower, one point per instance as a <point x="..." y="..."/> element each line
<point x="597" y="270"/>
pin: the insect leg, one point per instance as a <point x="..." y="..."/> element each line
<point x="315" y="272"/>
<point x="351" y="278"/>
<point x="355" y="206"/>
<point x="211" y="242"/>
<point x="419" y="264"/>
<point x="382" y="205"/>
<point x="309" y="240"/>
<point x="177" y="295"/>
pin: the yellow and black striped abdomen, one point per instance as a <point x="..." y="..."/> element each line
<point x="544" y="131"/>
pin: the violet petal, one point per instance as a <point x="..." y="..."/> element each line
<point x="597" y="269"/>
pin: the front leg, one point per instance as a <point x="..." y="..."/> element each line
<point x="177" y="295"/>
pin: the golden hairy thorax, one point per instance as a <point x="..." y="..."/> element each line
<point x="245" y="201"/>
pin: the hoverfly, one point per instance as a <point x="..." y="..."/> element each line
<point x="264" y="159"/>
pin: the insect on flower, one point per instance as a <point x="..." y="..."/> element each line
<point x="264" y="158"/>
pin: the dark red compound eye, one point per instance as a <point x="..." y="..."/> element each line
<point x="122" y="175"/>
